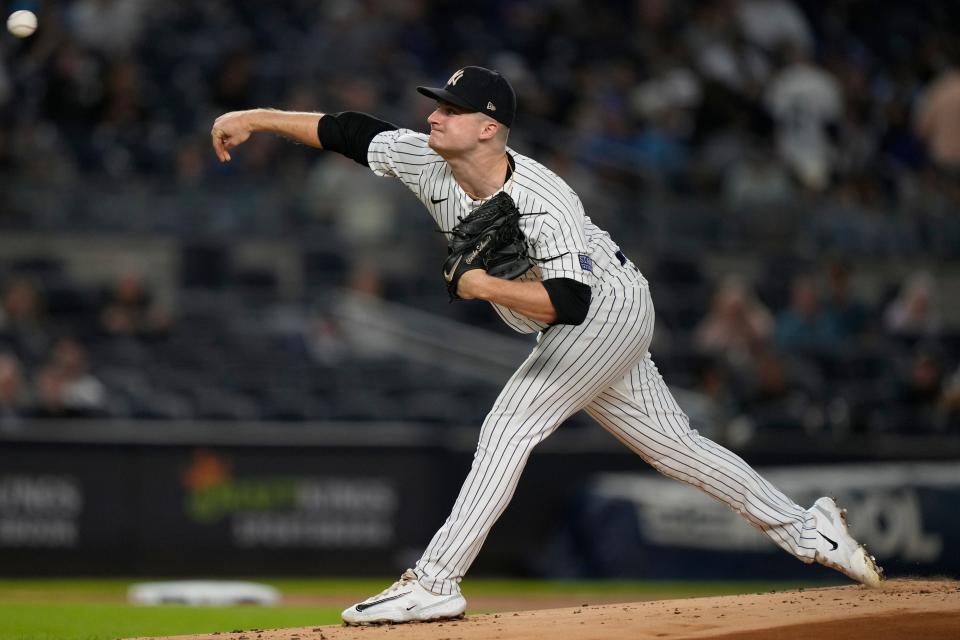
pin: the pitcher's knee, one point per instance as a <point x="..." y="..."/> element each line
<point x="518" y="430"/>
<point x="687" y="447"/>
<point x="506" y="439"/>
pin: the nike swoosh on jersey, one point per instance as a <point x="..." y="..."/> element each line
<point x="366" y="605"/>
<point x="437" y="201"/>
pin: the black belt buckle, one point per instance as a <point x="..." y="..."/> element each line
<point x="622" y="258"/>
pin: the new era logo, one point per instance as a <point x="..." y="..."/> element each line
<point x="491" y="106"/>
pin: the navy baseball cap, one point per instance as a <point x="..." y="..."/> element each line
<point x="478" y="89"/>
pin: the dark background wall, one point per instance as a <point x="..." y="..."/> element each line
<point x="87" y="500"/>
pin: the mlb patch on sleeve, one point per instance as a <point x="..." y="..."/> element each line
<point x="586" y="263"/>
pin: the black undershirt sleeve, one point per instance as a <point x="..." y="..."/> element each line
<point x="350" y="133"/>
<point x="571" y="299"/>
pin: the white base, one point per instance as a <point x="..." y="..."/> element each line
<point x="203" y="593"/>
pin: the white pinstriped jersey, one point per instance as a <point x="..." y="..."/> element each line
<point x="562" y="240"/>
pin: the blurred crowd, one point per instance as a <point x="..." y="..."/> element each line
<point x="816" y="137"/>
<point x="753" y="100"/>
<point x="44" y="367"/>
<point x="829" y="359"/>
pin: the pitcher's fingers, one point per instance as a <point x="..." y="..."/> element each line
<point x="216" y="143"/>
<point x="217" y="136"/>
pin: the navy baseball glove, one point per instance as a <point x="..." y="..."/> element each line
<point x="490" y="239"/>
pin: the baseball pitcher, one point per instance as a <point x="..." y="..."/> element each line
<point x="519" y="239"/>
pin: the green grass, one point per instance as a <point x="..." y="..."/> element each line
<point x="87" y="609"/>
<point x="82" y="621"/>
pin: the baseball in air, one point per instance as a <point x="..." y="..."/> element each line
<point x="22" y="23"/>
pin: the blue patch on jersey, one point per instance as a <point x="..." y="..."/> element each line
<point x="586" y="263"/>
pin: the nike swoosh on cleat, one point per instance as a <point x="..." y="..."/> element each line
<point x="835" y="545"/>
<point x="366" y="605"/>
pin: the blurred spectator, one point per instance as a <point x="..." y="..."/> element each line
<point x="780" y="392"/>
<point x="358" y="210"/>
<point x="14" y="402"/>
<point x="659" y="149"/>
<point x="109" y="26"/>
<point x="938" y="121"/>
<point x="716" y="384"/>
<point x="756" y="181"/>
<point x="608" y="146"/>
<point x="675" y="89"/>
<point x="736" y="323"/>
<point x="914" y="313"/>
<point x="773" y="24"/>
<point x="665" y="105"/>
<point x="21" y="305"/>
<point x="806" y="101"/>
<point x="723" y="56"/>
<point x="842" y="306"/>
<point x="847" y="221"/>
<point x="65" y="386"/>
<point x="919" y="392"/>
<point x="22" y="319"/>
<point x="805" y="327"/>
<point x="770" y="382"/>
<point x="130" y="309"/>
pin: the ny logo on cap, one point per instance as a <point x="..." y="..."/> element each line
<point x="455" y="77"/>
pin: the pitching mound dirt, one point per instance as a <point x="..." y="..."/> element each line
<point x="901" y="610"/>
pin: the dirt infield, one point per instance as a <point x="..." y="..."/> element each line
<point x="901" y="610"/>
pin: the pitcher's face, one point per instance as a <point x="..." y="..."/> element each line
<point x="454" y="130"/>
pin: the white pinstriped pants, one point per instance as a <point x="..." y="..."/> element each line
<point x="603" y="367"/>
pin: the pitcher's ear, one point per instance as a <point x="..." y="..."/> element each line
<point x="490" y="129"/>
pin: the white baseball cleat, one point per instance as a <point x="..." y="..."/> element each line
<point x="837" y="549"/>
<point x="405" y="601"/>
